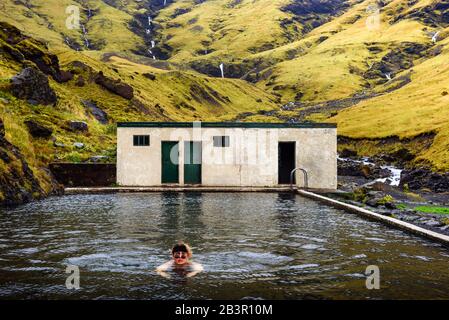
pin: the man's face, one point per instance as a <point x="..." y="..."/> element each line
<point x="180" y="257"/>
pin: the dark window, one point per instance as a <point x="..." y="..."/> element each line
<point x="141" y="141"/>
<point x="221" y="141"/>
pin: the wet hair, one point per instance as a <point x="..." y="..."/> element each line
<point x="182" y="247"/>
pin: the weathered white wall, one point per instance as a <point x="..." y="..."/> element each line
<point x="250" y="160"/>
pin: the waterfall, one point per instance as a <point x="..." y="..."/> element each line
<point x="222" y="70"/>
<point x="395" y="173"/>
<point x="149" y="21"/>
<point x="435" y="37"/>
<point x="148" y="31"/>
<point x="86" y="41"/>
<point x="153" y="43"/>
<point x="165" y="3"/>
<point x="154" y="57"/>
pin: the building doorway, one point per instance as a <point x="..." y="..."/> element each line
<point x="192" y="162"/>
<point x="286" y="161"/>
<point x="170" y="162"/>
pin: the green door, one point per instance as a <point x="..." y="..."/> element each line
<point x="170" y="163"/>
<point x="192" y="162"/>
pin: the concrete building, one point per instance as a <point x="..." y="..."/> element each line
<point x="226" y="154"/>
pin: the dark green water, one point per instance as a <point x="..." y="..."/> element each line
<point x="252" y="245"/>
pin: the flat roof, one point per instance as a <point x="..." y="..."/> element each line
<point x="224" y="125"/>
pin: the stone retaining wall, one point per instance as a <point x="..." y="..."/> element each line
<point x="84" y="174"/>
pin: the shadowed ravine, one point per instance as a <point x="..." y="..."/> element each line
<point x="270" y="246"/>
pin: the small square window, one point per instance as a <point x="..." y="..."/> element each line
<point x="141" y="141"/>
<point x="221" y="141"/>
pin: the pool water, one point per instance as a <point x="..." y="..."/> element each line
<point x="252" y="246"/>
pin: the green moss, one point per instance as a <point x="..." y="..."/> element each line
<point x="74" y="157"/>
<point x="387" y="199"/>
<point x="360" y="195"/>
<point x="433" y="209"/>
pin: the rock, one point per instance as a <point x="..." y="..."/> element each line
<point x="78" y="126"/>
<point x="358" y="169"/>
<point x="407" y="217"/>
<point x="402" y="155"/>
<point x="78" y="145"/>
<point x="379" y="199"/>
<point x="348" y="153"/>
<point x="149" y="76"/>
<point x="37" y="130"/>
<point x="65" y="76"/>
<point x="444" y="228"/>
<point x="98" y="158"/>
<point x="59" y="144"/>
<point x="76" y="67"/>
<point x="433" y="223"/>
<point x="378" y="186"/>
<point x="115" y="86"/>
<point x="32" y="84"/>
<point x="80" y="81"/>
<point x="419" y="178"/>
<point x="390" y="205"/>
<point x="2" y="129"/>
<point x="98" y="114"/>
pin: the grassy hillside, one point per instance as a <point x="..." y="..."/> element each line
<point x="158" y="95"/>
<point x="329" y="60"/>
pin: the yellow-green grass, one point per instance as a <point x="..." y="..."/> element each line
<point x="418" y="107"/>
<point x="109" y="25"/>
<point x="231" y="31"/>
<point x="333" y="68"/>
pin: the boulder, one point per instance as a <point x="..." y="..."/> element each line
<point x="59" y="144"/>
<point x="149" y="76"/>
<point x="348" y="153"/>
<point x="358" y="169"/>
<point x="65" y="76"/>
<point x="2" y="129"/>
<point x="78" y="145"/>
<point x="98" y="113"/>
<point x="115" y="86"/>
<point x="379" y="198"/>
<point x="32" y="84"/>
<point x="37" y="130"/>
<point x="78" y="126"/>
<point x="98" y="158"/>
<point x="420" y="178"/>
<point x="80" y="81"/>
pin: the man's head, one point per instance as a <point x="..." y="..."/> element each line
<point x="181" y="253"/>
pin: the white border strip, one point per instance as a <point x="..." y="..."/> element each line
<point x="378" y="217"/>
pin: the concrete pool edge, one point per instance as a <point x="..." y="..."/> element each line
<point x="441" y="238"/>
<point x="93" y="190"/>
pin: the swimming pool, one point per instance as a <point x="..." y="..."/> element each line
<point x="252" y="246"/>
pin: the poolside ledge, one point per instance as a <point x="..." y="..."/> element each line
<point x="378" y="217"/>
<point x="174" y="188"/>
